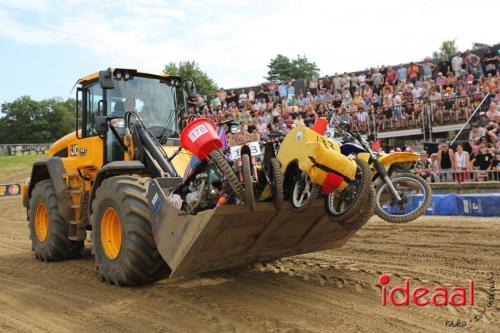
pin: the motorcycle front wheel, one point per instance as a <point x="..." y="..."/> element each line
<point x="304" y="191"/>
<point x="415" y="195"/>
<point x="354" y="200"/>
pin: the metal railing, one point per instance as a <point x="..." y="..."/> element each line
<point x="424" y="114"/>
<point x="461" y="176"/>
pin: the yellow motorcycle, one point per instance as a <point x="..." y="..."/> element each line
<point x="400" y="196"/>
<point x="313" y="166"/>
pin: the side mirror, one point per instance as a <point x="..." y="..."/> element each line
<point x="101" y="125"/>
<point x="190" y="89"/>
<point x="106" y="79"/>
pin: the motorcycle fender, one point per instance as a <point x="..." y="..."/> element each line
<point x="364" y="157"/>
<point x="398" y="158"/>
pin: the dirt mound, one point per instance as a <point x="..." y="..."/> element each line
<point x="321" y="292"/>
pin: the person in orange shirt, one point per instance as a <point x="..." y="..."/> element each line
<point x="413" y="72"/>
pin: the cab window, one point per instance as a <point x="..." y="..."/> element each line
<point x="94" y="106"/>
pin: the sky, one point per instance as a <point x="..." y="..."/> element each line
<point x="46" y="45"/>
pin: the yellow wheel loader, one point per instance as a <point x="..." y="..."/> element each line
<point x="116" y="176"/>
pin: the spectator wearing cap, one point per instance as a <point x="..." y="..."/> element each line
<point x="440" y="79"/>
<point x="483" y="120"/>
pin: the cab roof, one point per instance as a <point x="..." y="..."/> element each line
<point x="95" y="76"/>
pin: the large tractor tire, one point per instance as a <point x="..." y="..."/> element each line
<point x="125" y="251"/>
<point x="48" y="230"/>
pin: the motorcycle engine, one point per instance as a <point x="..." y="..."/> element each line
<point x="200" y="193"/>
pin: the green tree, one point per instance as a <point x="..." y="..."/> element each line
<point x="283" y="68"/>
<point x="29" y="121"/>
<point x="477" y="45"/>
<point x="280" y="68"/>
<point x="447" y="48"/>
<point x="191" y="70"/>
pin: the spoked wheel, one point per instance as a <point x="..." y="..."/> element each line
<point x="304" y="191"/>
<point x="228" y="173"/>
<point x="415" y="196"/>
<point x="354" y="200"/>
<point x="275" y="178"/>
<point x="248" y="181"/>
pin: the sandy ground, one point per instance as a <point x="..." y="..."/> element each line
<point x="321" y="292"/>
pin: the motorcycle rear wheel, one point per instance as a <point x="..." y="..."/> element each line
<point x="407" y="184"/>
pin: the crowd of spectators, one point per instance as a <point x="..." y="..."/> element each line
<point x="378" y="99"/>
<point x="438" y="92"/>
<point x="458" y="165"/>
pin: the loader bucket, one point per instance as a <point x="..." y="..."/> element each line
<point x="231" y="236"/>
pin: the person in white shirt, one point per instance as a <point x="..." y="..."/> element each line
<point x="362" y="80"/>
<point x="456" y="64"/>
<point x="462" y="162"/>
<point x="251" y="95"/>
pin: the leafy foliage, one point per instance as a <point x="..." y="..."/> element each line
<point x="283" y="68"/>
<point x="28" y="121"/>
<point x="477" y="45"/>
<point x="191" y="70"/>
<point x="447" y="48"/>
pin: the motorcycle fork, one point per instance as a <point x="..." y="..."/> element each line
<point x="385" y="177"/>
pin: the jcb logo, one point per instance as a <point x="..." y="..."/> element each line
<point x="73" y="150"/>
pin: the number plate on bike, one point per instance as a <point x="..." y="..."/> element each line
<point x="197" y="132"/>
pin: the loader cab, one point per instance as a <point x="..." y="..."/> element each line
<point x="113" y="92"/>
